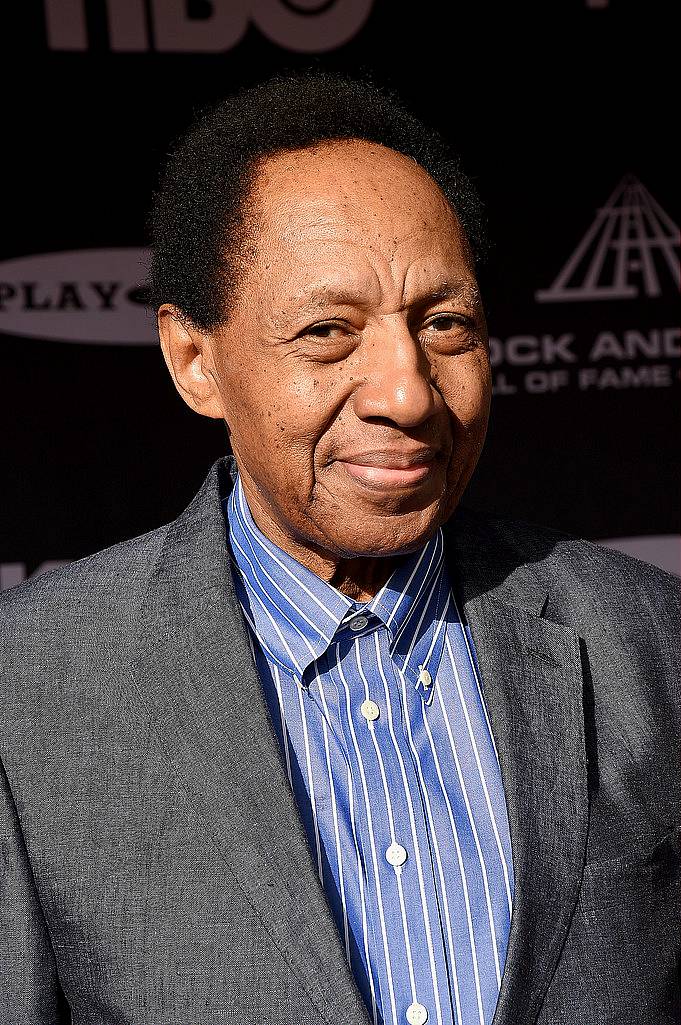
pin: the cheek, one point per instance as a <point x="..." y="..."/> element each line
<point x="466" y="388"/>
<point x="258" y="397"/>
<point x="311" y="403"/>
<point x="278" y="421"/>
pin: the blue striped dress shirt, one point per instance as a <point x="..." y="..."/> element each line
<point x="388" y="748"/>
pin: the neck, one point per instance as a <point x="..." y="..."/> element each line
<point x="361" y="579"/>
<point x="358" y="578"/>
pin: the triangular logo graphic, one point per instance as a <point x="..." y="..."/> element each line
<point x="631" y="247"/>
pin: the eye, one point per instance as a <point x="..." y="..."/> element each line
<point x="323" y="330"/>
<point x="446" y="322"/>
<point x="327" y="341"/>
<point x="449" y="333"/>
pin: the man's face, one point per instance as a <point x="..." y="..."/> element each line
<point x="353" y="371"/>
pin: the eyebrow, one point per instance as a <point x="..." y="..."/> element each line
<point x="455" y="288"/>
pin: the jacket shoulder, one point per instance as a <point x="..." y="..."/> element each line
<point x="105" y="579"/>
<point x="570" y="564"/>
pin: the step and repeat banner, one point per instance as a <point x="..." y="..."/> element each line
<point x="564" y="115"/>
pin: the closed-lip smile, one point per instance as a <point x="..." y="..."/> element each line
<point x="390" y="467"/>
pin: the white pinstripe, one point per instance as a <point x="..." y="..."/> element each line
<point x="455" y="834"/>
<point x="367" y="808"/>
<point x="492" y="816"/>
<point x="334" y="809"/>
<point x="284" y="729"/>
<point x="506" y="868"/>
<point x="360" y="873"/>
<point x="471" y="820"/>
<point x="310" y="781"/>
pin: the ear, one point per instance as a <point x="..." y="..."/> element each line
<point x="189" y="357"/>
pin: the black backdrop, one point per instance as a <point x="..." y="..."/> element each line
<point x="563" y="113"/>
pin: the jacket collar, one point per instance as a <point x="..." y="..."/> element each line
<point x="194" y="657"/>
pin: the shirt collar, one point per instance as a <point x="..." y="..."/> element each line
<point x="295" y="614"/>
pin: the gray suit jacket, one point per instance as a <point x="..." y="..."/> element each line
<point x="153" y="866"/>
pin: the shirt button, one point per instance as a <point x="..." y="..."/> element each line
<point x="358" y="623"/>
<point x="417" y="1014"/>
<point x="425" y="678"/>
<point x="370" y="710"/>
<point x="396" y="855"/>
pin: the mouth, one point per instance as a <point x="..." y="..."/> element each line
<point x="386" y="469"/>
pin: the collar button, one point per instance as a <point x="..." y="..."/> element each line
<point x="425" y="679"/>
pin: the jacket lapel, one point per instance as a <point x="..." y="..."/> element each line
<point x="196" y="674"/>
<point x="532" y="679"/>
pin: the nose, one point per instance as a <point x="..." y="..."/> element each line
<point x="397" y="385"/>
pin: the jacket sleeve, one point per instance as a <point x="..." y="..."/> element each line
<point x="30" y="993"/>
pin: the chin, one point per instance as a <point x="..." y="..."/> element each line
<point x="387" y="535"/>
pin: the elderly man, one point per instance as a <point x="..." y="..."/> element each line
<point x="329" y="748"/>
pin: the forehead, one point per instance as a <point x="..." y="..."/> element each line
<point x="353" y="191"/>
